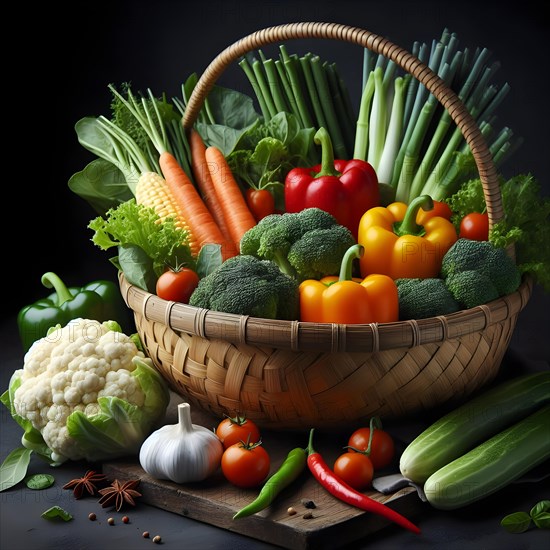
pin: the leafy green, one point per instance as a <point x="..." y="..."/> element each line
<point x="56" y="512"/>
<point x="136" y="231"/>
<point x="527" y="226"/>
<point x="14" y="467"/>
<point x="265" y="153"/>
<point x="540" y="514"/>
<point x="128" y="123"/>
<point x="101" y="184"/>
<point x="209" y="259"/>
<point x="526" y="223"/>
<point x="469" y="198"/>
<point x="137" y="266"/>
<point x="518" y="522"/>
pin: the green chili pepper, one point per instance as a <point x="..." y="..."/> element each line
<point x="290" y="469"/>
<point x="99" y="300"/>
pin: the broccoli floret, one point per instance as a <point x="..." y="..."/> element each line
<point x="307" y="244"/>
<point x="320" y="251"/>
<point x="421" y="298"/>
<point x="486" y="259"/>
<point x="471" y="288"/>
<point x="245" y="285"/>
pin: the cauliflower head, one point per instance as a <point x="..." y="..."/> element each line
<point x="88" y="391"/>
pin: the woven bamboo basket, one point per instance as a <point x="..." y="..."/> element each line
<point x="288" y="375"/>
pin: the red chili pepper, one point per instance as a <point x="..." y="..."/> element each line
<point x="342" y="491"/>
<point x="345" y="189"/>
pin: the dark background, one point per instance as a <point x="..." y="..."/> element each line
<point x="158" y="44"/>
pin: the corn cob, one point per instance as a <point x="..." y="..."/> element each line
<point x="152" y="191"/>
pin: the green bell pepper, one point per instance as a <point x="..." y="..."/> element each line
<point x="99" y="300"/>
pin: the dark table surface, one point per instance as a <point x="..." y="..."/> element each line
<point x="477" y="526"/>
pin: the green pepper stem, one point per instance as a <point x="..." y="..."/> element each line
<point x="346" y="267"/>
<point x="409" y="226"/>
<point x="322" y="138"/>
<point x="310" y="450"/>
<point x="51" y="280"/>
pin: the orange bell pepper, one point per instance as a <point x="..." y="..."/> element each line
<point x="397" y="246"/>
<point x="348" y="300"/>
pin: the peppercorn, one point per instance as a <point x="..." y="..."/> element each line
<point x="92" y="516"/>
<point x="111" y="521"/>
<point x="145" y="534"/>
<point x="125" y="519"/>
<point x="157" y="539"/>
<point x="291" y="511"/>
<point x="307" y="515"/>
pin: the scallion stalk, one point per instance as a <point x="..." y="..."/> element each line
<point x="394" y="134"/>
<point x="362" y="127"/>
<point x="333" y="128"/>
<point x="312" y="89"/>
<point x="257" y="68"/>
<point x="377" y="123"/>
<point x="247" y="68"/>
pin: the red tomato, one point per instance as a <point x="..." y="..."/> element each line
<point x="355" y="469"/>
<point x="440" y="209"/>
<point x="382" y="446"/>
<point x="177" y="284"/>
<point x="475" y="226"/>
<point x="260" y="202"/>
<point x="238" y="429"/>
<point x="245" y="465"/>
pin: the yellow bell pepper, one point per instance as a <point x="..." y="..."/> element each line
<point x="395" y="245"/>
<point x="348" y="300"/>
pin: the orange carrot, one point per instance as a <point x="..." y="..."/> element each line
<point x="194" y="210"/>
<point x="237" y="215"/>
<point x="204" y="181"/>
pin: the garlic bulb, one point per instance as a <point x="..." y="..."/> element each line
<point x="182" y="452"/>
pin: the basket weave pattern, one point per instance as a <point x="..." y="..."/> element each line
<point x="293" y="375"/>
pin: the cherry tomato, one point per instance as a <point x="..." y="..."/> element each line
<point x="260" y="202"/>
<point x="237" y="429"/>
<point x="382" y="446"/>
<point x="475" y="226"/>
<point x="245" y="465"/>
<point x="440" y="209"/>
<point x="355" y="469"/>
<point x="177" y="284"/>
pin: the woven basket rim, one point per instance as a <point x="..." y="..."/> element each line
<point x="323" y="337"/>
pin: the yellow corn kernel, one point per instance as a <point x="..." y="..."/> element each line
<point x="153" y="192"/>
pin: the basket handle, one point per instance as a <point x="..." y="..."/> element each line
<point x="379" y="45"/>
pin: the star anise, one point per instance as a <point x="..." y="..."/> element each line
<point x="119" y="493"/>
<point x="87" y="483"/>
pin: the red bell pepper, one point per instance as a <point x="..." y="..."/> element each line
<point x="345" y="189"/>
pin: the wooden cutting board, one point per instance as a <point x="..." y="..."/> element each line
<point x="215" y="500"/>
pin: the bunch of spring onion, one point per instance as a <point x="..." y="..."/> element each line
<point x="409" y="138"/>
<point x="307" y="87"/>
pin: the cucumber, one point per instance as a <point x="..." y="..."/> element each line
<point x="462" y="429"/>
<point x="492" y="465"/>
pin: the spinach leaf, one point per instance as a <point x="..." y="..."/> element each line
<point x="209" y="258"/>
<point x="14" y="467"/>
<point x="137" y="266"/>
<point x="540" y="514"/>
<point x="518" y="522"/>
<point x="231" y="108"/>
<point x="101" y="184"/>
